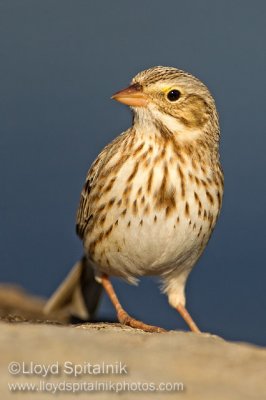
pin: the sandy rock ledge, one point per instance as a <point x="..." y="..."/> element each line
<point x="205" y="366"/>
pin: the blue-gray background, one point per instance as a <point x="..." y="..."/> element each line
<point x="60" y="61"/>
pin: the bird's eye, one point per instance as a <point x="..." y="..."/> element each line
<point x="173" y="95"/>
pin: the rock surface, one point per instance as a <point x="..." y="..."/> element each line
<point x="160" y="366"/>
<point x="204" y="366"/>
<point x="16" y="305"/>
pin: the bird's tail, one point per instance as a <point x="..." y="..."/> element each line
<point x="78" y="294"/>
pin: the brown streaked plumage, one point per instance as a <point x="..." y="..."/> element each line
<point x="153" y="195"/>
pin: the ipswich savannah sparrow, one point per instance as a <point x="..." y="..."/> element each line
<point x="152" y="197"/>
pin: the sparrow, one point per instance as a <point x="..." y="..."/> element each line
<point x="151" y="198"/>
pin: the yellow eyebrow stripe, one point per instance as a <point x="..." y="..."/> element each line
<point x="167" y="88"/>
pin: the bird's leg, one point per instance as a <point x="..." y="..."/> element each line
<point x="122" y="315"/>
<point x="186" y="316"/>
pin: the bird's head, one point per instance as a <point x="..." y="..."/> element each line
<point x="173" y="98"/>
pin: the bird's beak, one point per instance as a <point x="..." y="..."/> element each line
<point x="132" y="96"/>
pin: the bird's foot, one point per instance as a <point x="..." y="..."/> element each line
<point x="125" y="319"/>
<point x="122" y="315"/>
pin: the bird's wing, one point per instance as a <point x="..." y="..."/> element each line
<point x="84" y="214"/>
